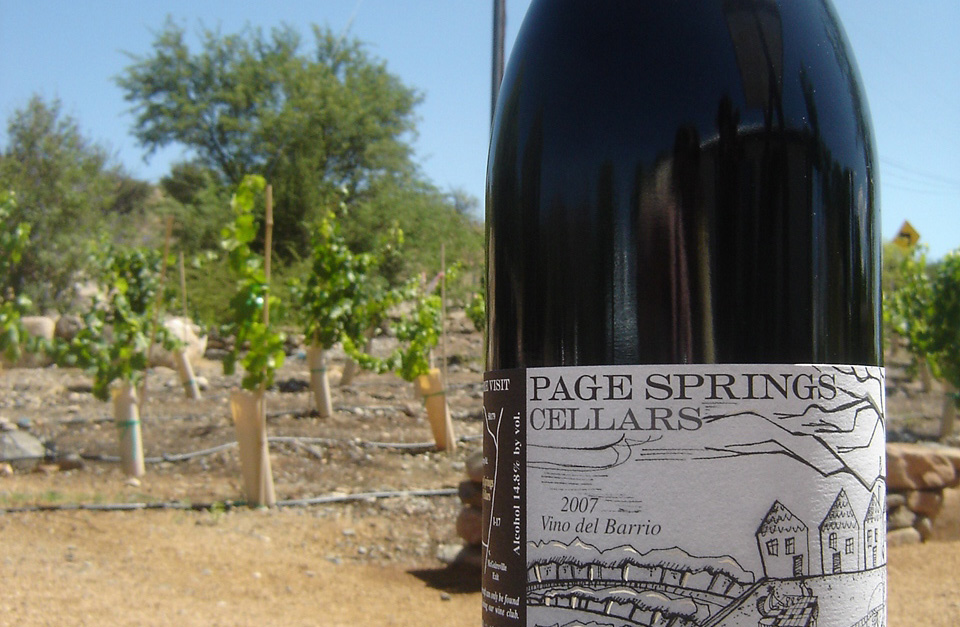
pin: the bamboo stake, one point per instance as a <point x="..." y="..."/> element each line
<point x="141" y="398"/>
<point x="184" y="368"/>
<point x="183" y="287"/>
<point x="443" y="310"/>
<point x="267" y="248"/>
<point x="266" y="496"/>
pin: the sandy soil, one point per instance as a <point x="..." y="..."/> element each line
<point x="295" y="567"/>
<point x="238" y="568"/>
<point x="368" y="562"/>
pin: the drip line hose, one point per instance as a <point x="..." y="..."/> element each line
<point x="227" y="505"/>
<point x="279" y="413"/>
<point x="279" y="439"/>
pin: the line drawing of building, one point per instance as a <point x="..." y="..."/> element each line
<point x="875" y="533"/>
<point x="840" y="538"/>
<point x="783" y="540"/>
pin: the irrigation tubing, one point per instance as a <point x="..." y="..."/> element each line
<point x="280" y="439"/>
<point x="279" y="413"/>
<point x="228" y="505"/>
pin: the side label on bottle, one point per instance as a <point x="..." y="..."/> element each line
<point x="684" y="495"/>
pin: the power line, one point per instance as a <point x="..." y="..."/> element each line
<point x="920" y="176"/>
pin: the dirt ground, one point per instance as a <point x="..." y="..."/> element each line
<point x="370" y="561"/>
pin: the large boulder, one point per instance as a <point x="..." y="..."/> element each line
<point x="41" y="327"/>
<point x="20" y="449"/>
<point x="918" y="467"/>
<point x="67" y="327"/>
<point x="187" y="332"/>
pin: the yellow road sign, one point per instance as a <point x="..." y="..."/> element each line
<point x="907" y="237"/>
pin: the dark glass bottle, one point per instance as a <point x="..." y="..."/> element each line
<point x="683" y="408"/>
<point x="681" y="181"/>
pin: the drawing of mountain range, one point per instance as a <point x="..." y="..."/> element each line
<point x="580" y="552"/>
<point x="842" y="436"/>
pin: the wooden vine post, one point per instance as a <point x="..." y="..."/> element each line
<point x="126" y="416"/>
<point x="432" y="385"/>
<point x="248" y="405"/>
<point x="184" y="367"/>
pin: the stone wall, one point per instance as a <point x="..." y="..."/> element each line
<point x="923" y="493"/>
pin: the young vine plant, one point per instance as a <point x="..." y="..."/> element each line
<point x="114" y="341"/>
<point x="333" y="299"/>
<point x="264" y="346"/>
<point x="418" y="333"/>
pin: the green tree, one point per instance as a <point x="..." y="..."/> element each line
<point x="944" y="319"/>
<point x="924" y="308"/>
<point x="906" y="296"/>
<point x="13" y="241"/>
<point x="428" y="219"/>
<point x="312" y="121"/>
<point x="199" y="204"/>
<point x="65" y="186"/>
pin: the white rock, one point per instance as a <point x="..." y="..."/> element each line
<point x="188" y="333"/>
<point x="20" y="449"/>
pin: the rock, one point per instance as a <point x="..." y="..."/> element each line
<point x="187" y="332"/>
<point x="900" y="518"/>
<point x="216" y="354"/>
<point x="470" y="525"/>
<point x="918" y="467"/>
<point x="471" y="494"/>
<point x="202" y="383"/>
<point x="469" y="555"/>
<point x="902" y="537"/>
<point x="946" y="525"/>
<point x="6" y="425"/>
<point x="447" y="553"/>
<point x="925" y="503"/>
<point x="21" y="449"/>
<point x="70" y="461"/>
<point x="41" y="327"/>
<point x="6" y="470"/>
<point x="475" y="467"/>
<point x="67" y="327"/>
<point x="925" y="526"/>
<point x="953" y="456"/>
<point x="46" y="469"/>
<point x="895" y="499"/>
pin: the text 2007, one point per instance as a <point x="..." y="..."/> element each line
<point x="582" y="505"/>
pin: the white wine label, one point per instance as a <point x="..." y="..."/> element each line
<point x="684" y="495"/>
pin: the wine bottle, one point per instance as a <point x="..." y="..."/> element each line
<point x="684" y="396"/>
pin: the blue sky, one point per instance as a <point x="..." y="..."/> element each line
<point x="908" y="53"/>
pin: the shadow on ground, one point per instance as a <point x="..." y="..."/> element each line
<point x="454" y="579"/>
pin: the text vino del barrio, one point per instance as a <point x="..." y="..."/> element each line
<point x="684" y="398"/>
